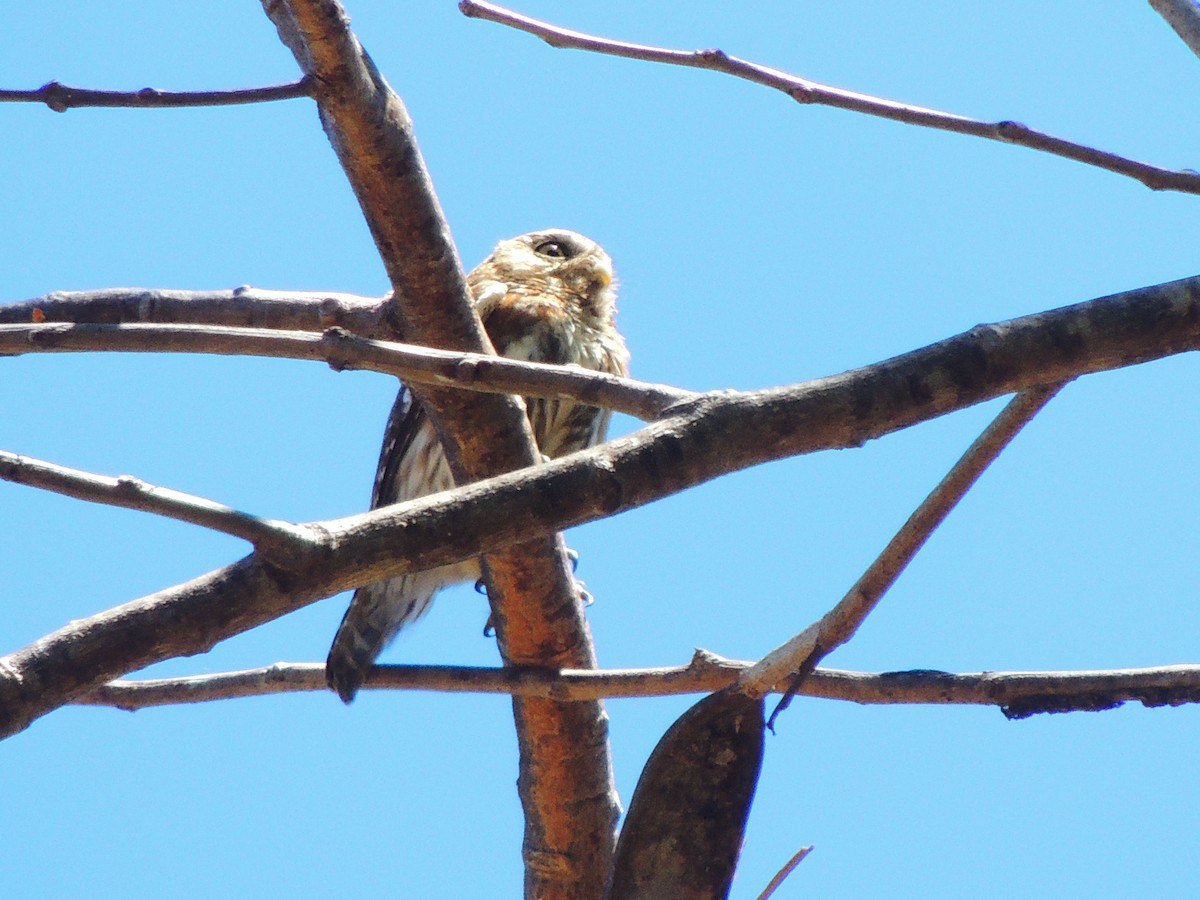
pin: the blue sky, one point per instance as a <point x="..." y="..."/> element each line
<point x="758" y="242"/>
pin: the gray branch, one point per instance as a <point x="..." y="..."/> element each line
<point x="1017" y="693"/>
<point x="61" y="97"/>
<point x="343" y="350"/>
<point x="804" y="91"/>
<point x="1184" y="17"/>
<point x="715" y="434"/>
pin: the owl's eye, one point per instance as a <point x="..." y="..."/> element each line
<point x="552" y="250"/>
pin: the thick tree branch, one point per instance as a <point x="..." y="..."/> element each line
<point x="801" y="654"/>
<point x="61" y="97"/>
<point x="1015" y="691"/>
<point x="716" y="434"/>
<point x="804" y="91"/>
<point x="343" y="350"/>
<point x="566" y="783"/>
<point x="281" y="542"/>
<point x="1184" y="17"/>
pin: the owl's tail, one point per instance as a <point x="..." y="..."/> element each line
<point x="376" y="613"/>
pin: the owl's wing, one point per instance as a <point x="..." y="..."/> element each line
<point x="379" y="609"/>
<point x="403" y="423"/>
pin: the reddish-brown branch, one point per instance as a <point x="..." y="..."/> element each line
<point x="566" y="784"/>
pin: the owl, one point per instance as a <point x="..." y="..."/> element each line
<point x="547" y="296"/>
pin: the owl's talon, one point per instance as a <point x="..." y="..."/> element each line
<point x="489" y="628"/>
<point x="481" y="587"/>
<point x="585" y="596"/>
<point x="573" y="556"/>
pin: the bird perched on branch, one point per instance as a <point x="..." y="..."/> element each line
<point x="548" y="296"/>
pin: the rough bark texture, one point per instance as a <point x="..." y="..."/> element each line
<point x="719" y="433"/>
<point x="484" y="435"/>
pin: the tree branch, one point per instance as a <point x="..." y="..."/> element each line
<point x="343" y="350"/>
<point x="242" y="307"/>
<point x="781" y="876"/>
<point x="1184" y="17"/>
<point x="566" y="784"/>
<point x="1020" y="691"/>
<point x="61" y="97"/>
<point x="804" y="91"/>
<point x="718" y="433"/>
<point x="280" y="542"/>
<point x="801" y="654"/>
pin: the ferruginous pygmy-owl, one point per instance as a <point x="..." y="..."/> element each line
<point x="548" y="296"/>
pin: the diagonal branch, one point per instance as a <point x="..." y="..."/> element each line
<point x="713" y="435"/>
<point x="706" y="673"/>
<point x="343" y="350"/>
<point x="1184" y="17"/>
<point x="280" y="542"/>
<point x="61" y="97"/>
<point x="801" y="654"/>
<point x="566" y="784"/>
<point x="804" y="91"/>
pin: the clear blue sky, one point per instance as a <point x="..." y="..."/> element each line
<point x="758" y="242"/>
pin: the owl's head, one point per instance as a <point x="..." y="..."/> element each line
<point x="554" y="257"/>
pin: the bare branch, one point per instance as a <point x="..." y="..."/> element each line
<point x="281" y="542"/>
<point x="783" y="873"/>
<point x="804" y="91"/>
<point x="61" y="97"/>
<point x="1184" y="17"/>
<point x="566" y="784"/>
<point x="800" y="655"/>
<point x="343" y="350"/>
<point x="1051" y="691"/>
<point x="242" y="307"/>
<point x="713" y="435"/>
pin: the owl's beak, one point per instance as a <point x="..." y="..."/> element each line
<point x="604" y="275"/>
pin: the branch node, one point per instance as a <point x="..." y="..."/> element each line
<point x="1011" y="131"/>
<point x="130" y="486"/>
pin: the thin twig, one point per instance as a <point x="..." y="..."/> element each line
<point x="783" y="873"/>
<point x="804" y="91"/>
<point x="278" y="541"/>
<point x="61" y="97"/>
<point x="800" y="654"/>
<point x="1184" y="17"/>
<point x="1012" y="691"/>
<point x="344" y="350"/>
